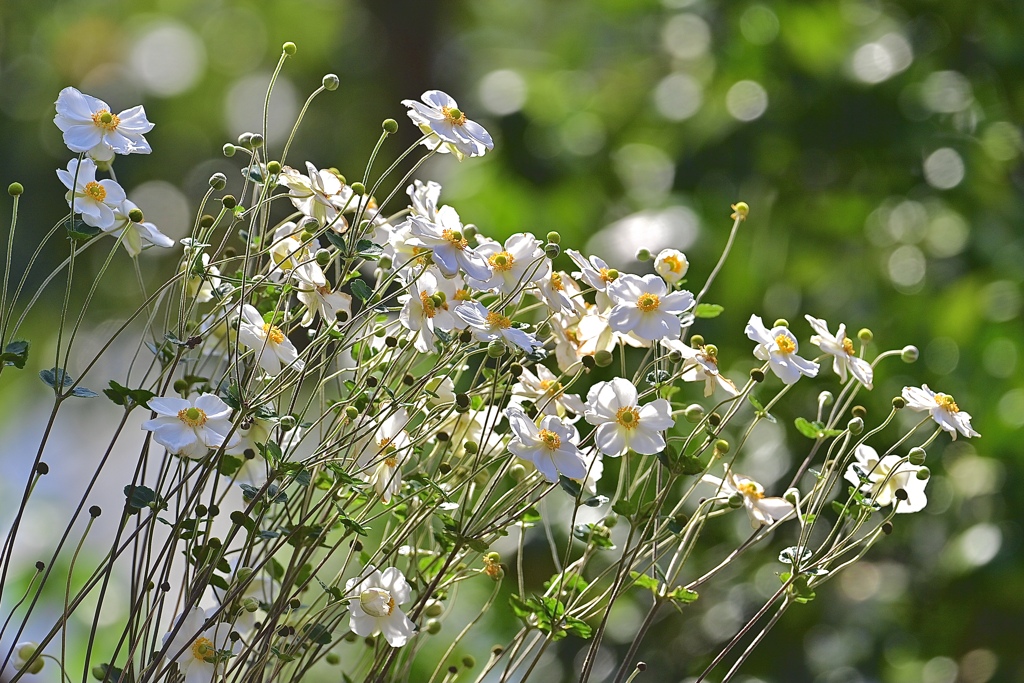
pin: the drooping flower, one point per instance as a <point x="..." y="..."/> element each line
<point x="645" y="307"/>
<point x="95" y="200"/>
<point x="701" y="365"/>
<point x="778" y="346"/>
<point x="551" y="447"/>
<point x="320" y="298"/>
<point x="594" y="270"/>
<point x="513" y="266"/>
<point x="451" y="250"/>
<point x="762" y="510"/>
<point x="89" y="126"/>
<point x="884" y="477"/>
<point x="373" y="601"/>
<point x="424" y="198"/>
<point x="545" y="391"/>
<point x="452" y="132"/>
<point x="137" y="235"/>
<point x="191" y="427"/>
<point x="319" y="194"/>
<point x="560" y="292"/>
<point x="671" y="265"/>
<point x="425" y="310"/>
<point x="490" y="325"/>
<point x="274" y="351"/>
<point x="840" y="347"/>
<point x="942" y="408"/>
<point x="622" y="423"/>
<point x="201" y="654"/>
<point x="380" y="460"/>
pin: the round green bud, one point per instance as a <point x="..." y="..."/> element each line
<point x="859" y="411"/>
<point x="433" y="627"/>
<point x="36" y="666"/>
<point x="610" y="520"/>
<point x="552" y="250"/>
<point x="694" y="413"/>
<point x="917" y="455"/>
<point x="736" y="500"/>
<point x="243" y="574"/>
<point x="333" y="658"/>
<point x="99" y="672"/>
<point x="675" y="357"/>
<point x="15" y="189"/>
<point x="924" y="473"/>
<point x="826" y="398"/>
<point x="180" y="386"/>
<point x="256" y="141"/>
<point x="643" y="254"/>
<point x="757" y="375"/>
<point x="331" y="82"/>
<point x="554" y="237"/>
<point x="714" y="419"/>
<point x="385" y="263"/>
<point x="909" y="354"/>
<point x="323" y="257"/>
<point x="887" y="528"/>
<point x="493" y="557"/>
<point x="351" y="412"/>
<point x="711" y="350"/>
<point x="289" y="48"/>
<point x="228" y="150"/>
<point x="288" y="422"/>
<point x="612" y="274"/>
<point x="218" y="181"/>
<point x="517" y="472"/>
<point x="899" y="403"/>
<point x="245" y="139"/>
<point x="136" y="215"/>
<point x="865" y="335"/>
<point x="516" y="370"/>
<point x="471" y="447"/>
<point x="462" y="400"/>
<point x="434" y="608"/>
<point x="697" y="341"/>
<point x="251" y="605"/>
<point x="496" y="349"/>
<point x="781" y="322"/>
<point x="390" y="126"/>
<point x="603" y="358"/>
<point x="792" y="496"/>
<point x="380" y="332"/>
<point x="722" y="446"/>
<point x="229" y="201"/>
<point x="468" y="661"/>
<point x="855" y="425"/>
<point x="358" y="188"/>
<point x="469" y="231"/>
<point x="273" y="167"/>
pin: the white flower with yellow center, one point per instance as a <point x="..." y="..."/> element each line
<point x="840" y="347"/>
<point x="513" y="266"/>
<point x="424" y="198"/>
<point x="622" y="423"/>
<point x="942" y="408"/>
<point x="190" y="428"/>
<point x="447" y="127"/>
<point x="200" y="654"/>
<point x="560" y="292"/>
<point x="136" y="235"/>
<point x="671" y="265"/>
<point x="594" y="270"/>
<point x="552" y="447"/>
<point x="645" y="307"/>
<point x="778" y="346"/>
<point x="450" y="248"/>
<point x="315" y="292"/>
<point x="885" y="477"/>
<point x="701" y="365"/>
<point x="545" y="392"/>
<point x="274" y="351"/>
<point x="490" y="325"/>
<point x="425" y="310"/>
<point x="89" y="126"/>
<point x="373" y="602"/>
<point x="95" y="199"/>
<point x="319" y="195"/>
<point x="762" y="510"/>
<point x="381" y="457"/>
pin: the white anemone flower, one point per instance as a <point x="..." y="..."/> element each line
<point x="204" y="279"/>
<point x="552" y="447"/>
<point x="451" y="250"/>
<point x="594" y="270"/>
<point x="942" y="408"/>
<point x="645" y="307"/>
<point x="425" y="310"/>
<point x="315" y="292"/>
<point x="701" y="365"/>
<point x="840" y="347"/>
<point x="490" y="325"/>
<point x="672" y="265"/>
<point x="274" y="351"/>
<point x="89" y="126"/>
<point x="762" y="510"/>
<point x="545" y="392"/>
<point x="452" y="131"/>
<point x="201" y="654"/>
<point x="95" y="200"/>
<point x="513" y="266"/>
<point x="424" y="198"/>
<point x="778" y="346"/>
<point x="137" y="236"/>
<point x="560" y="292"/>
<point x="622" y="423"/>
<point x="191" y="427"/>
<point x="381" y="457"/>
<point x="885" y="476"/>
<point x="319" y="195"/>
<point x="373" y="601"/>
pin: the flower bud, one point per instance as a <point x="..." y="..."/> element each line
<point x="643" y="254"/>
<point x="675" y="357"/>
<point x="792" y="496"/>
<point x="588" y="362"/>
<point x="180" y="386"/>
<point x="468" y="661"/>
<point x="924" y="473"/>
<point x="471" y="447"/>
<point x="462" y="400"/>
<point x="855" y="425"/>
<point x="333" y="658"/>
<point x="15" y="189"/>
<point x="722" y="446"/>
<point x="757" y="375"/>
<point x="218" y="181"/>
<point x="554" y="237"/>
<point x="517" y="472"/>
<point x="603" y="358"/>
<point x="251" y="605"/>
<point x="859" y="411"/>
<point x="243" y="574"/>
<point x="736" y="500"/>
<point x="288" y="422"/>
<point x="358" y="188"/>
<point x="256" y="141"/>
<point x="901" y="494"/>
<point x="697" y="341"/>
<point x="228" y="150"/>
<point x="610" y="520"/>
<point x="694" y="413"/>
<point x="273" y="167"/>
<point x="887" y="528"/>
<point x="323" y="257"/>
<point x="289" y="48"/>
<point x="229" y="201"/>
<point x="330" y="82"/>
<point x="917" y="455"/>
<point x="433" y="626"/>
<point x="136" y="215"/>
<point x="865" y="335"/>
<point x="781" y="322"/>
<point x="714" y="419"/>
<point x="99" y="672"/>
<point x="899" y="403"/>
<point x="496" y="348"/>
<point x="825" y="398"/>
<point x="552" y="250"/>
<point x="740" y="211"/>
<point x="390" y="126"/>
<point x="909" y="354"/>
<point x="434" y="608"/>
<point x="469" y="231"/>
<point x="351" y="412"/>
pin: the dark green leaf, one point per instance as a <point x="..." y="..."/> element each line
<point x="361" y="289"/>
<point x="15" y="353"/>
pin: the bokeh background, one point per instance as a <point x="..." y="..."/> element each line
<point x="878" y="144"/>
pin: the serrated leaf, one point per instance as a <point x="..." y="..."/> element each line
<point x="15" y="353"/>
<point x="368" y="250"/>
<point x="139" y="496"/>
<point x="683" y="596"/>
<point x="59" y="379"/>
<point x="317" y="633"/>
<point x="806" y="428"/>
<point x="708" y="310"/>
<point x="361" y="289"/>
<point x="336" y="240"/>
<point x="570" y="486"/>
<point x="789" y="555"/>
<point x="645" y="581"/>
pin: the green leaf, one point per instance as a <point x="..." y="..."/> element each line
<point x="130" y="398"/>
<point x="645" y="581"/>
<point x="368" y="250"/>
<point x="317" y="633"/>
<point x="595" y="535"/>
<point x="578" y="628"/>
<point x="139" y="496"/>
<point x="336" y="240"/>
<point x="361" y="289"/>
<point x="808" y="429"/>
<point x="683" y="596"/>
<point x="789" y="555"/>
<point x="530" y="517"/>
<point x="708" y="310"/>
<point x="59" y="379"/>
<point x="79" y="230"/>
<point x="15" y="353"/>
<point x="626" y="508"/>
<point x="570" y="486"/>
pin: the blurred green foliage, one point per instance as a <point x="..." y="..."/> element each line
<point x="878" y="145"/>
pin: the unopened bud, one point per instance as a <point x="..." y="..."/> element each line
<point x="722" y="446"/>
<point x="552" y="250"/>
<point x="136" y="215"/>
<point x="603" y="358"/>
<point x="781" y="322"/>
<point x="909" y="354"/>
<point x="496" y="348"/>
<point x="825" y="398"/>
<point x="899" y="403"/>
<point x="358" y="189"/>
<point x="228" y="201"/>
<point x="256" y="141"/>
<point x="865" y="335"/>
<point x="273" y="167"/>
<point x="228" y="150"/>
<point x="675" y="357"/>
<point x="517" y="472"/>
<point x="351" y="412"/>
<point x="917" y="455"/>
<point x="390" y="126"/>
<point x="250" y="605"/>
<point x="323" y="257"/>
<point x="694" y="413"/>
<point x="740" y="211"/>
<point x="218" y="181"/>
<point x="330" y="82"/>
<point x="610" y="520"/>
<point x="554" y="237"/>
<point x="289" y="48"/>
<point x="643" y="254"/>
<point x="180" y="386"/>
<point x="434" y="608"/>
<point x="855" y="425"/>
<point x="333" y="658"/>
<point x="468" y="661"/>
<point x="15" y="189"/>
<point x="736" y="500"/>
<point x="433" y="626"/>
<point x="471" y="447"/>
<point x="924" y="473"/>
<point x="757" y="375"/>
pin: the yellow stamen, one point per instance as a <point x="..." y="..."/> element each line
<point x="675" y="264"/>
<point x="946" y="402"/>
<point x="463" y="295"/>
<point x="455" y="239"/>
<point x="551" y="440"/>
<point x="96" y="191"/>
<point x="193" y="417"/>
<point x="105" y="120"/>
<point x="273" y="333"/>
<point x="648" y="302"/>
<point x="551" y="387"/>
<point x="751" y="489"/>
<point x="499" y="321"/>
<point x="428" y="305"/>
<point x="848" y="346"/>
<point x="502" y="261"/>
<point x="628" y="417"/>
<point x="203" y="648"/>
<point x="785" y="344"/>
<point x="454" y="116"/>
<point x="556" y="282"/>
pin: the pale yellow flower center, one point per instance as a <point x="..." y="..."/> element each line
<point x="648" y="302"/>
<point x="675" y="264"/>
<point x="946" y="402"/>
<point x="551" y="387"/>
<point x="750" y="489"/>
<point x="385" y="447"/>
<point x="556" y="282"/>
<point x="502" y="261"/>
<point x="551" y="440"/>
<point x="455" y="239"/>
<point x="785" y="344"/>
<point x="377" y="602"/>
<point x="193" y="417"/>
<point x="428" y="305"/>
<point x="500" y="321"/>
<point x="203" y="648"/>
<point x="463" y="295"/>
<point x="95" y="191"/>
<point x="604" y="275"/>
<point x="453" y="115"/>
<point x="105" y="120"/>
<point x="628" y="417"/>
<point x="848" y="346"/>
<point x="273" y="333"/>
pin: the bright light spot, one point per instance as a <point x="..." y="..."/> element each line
<point x="907" y="268"/>
<point x="978" y="545"/>
<point x="939" y="670"/>
<point x="759" y="25"/>
<point x="947" y="92"/>
<point x="1003" y="300"/>
<point x="1002" y="141"/>
<point x="881" y="60"/>
<point x="646" y="171"/>
<point x="583" y="134"/>
<point x="947" y="234"/>
<point x="502" y="92"/>
<point x="746" y="100"/>
<point x="944" y="169"/>
<point x="978" y="666"/>
<point x="908" y="222"/>
<point x="686" y="36"/>
<point x="942" y="355"/>
<point x="1011" y="408"/>
<point x="678" y="97"/>
<point x="243" y="107"/>
<point x="973" y="475"/>
<point x="860" y="582"/>
<point x="1000" y="357"/>
<point x="165" y="206"/>
<point x="168" y="58"/>
<point x="675" y="226"/>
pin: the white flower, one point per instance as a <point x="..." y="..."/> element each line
<point x="137" y="236"/>
<point x="254" y="468"/>
<point x="488" y="326"/>
<point x="381" y="457"/>
<point x="885" y="477"/>
<point x="95" y="200"/>
<point x="778" y="346"/>
<point x="761" y="510"/>
<point x="204" y="279"/>
<point x="594" y="463"/>
<point x="319" y="195"/>
<point x="551" y="447"/>
<point x="199" y="653"/>
<point x="594" y="271"/>
<point x="424" y="198"/>
<point x="320" y="298"/>
<point x="373" y="605"/>
<point x="450" y="249"/>
<point x="424" y="310"/>
<point x="546" y="393"/>
<point x="513" y="266"/>
<point x="645" y="307"/>
<point x="701" y="365"/>
<point x="454" y="133"/>
<point x="840" y="347"/>
<point x="671" y="265"/>
<point x="943" y="409"/>
<point x="560" y="292"/>
<point x="622" y="424"/>
<point x="89" y="126"/>
<point x="191" y="427"/>
<point x="274" y="351"/>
